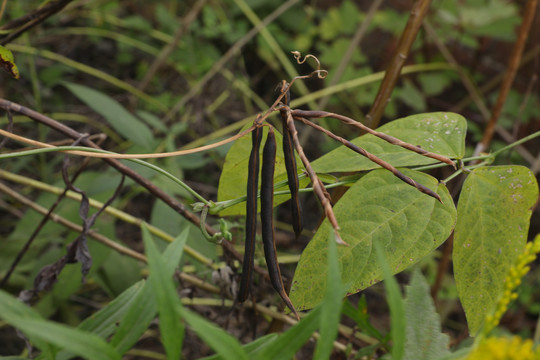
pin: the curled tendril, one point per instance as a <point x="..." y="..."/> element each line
<point x="321" y="74"/>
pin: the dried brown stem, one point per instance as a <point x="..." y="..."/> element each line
<point x="390" y="139"/>
<point x="28" y="21"/>
<point x="318" y="186"/>
<point x="513" y="65"/>
<point x="372" y="157"/>
<point x="394" y="69"/>
<point x="43" y="221"/>
<point x="70" y="225"/>
<point x="154" y="190"/>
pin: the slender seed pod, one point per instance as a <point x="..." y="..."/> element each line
<point x="251" y="214"/>
<point x="267" y="220"/>
<point x="292" y="173"/>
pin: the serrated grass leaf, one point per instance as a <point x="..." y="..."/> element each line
<point x="121" y="120"/>
<point x="425" y="341"/>
<point x="441" y="133"/>
<point x="377" y="208"/>
<point x="494" y="211"/>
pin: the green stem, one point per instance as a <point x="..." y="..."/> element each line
<point x="137" y="161"/>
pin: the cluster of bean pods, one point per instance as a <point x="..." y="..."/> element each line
<point x="290" y="144"/>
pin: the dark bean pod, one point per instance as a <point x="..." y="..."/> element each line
<point x="292" y="175"/>
<point x="251" y="214"/>
<point x="267" y="219"/>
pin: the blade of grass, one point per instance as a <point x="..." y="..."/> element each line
<point x="44" y="332"/>
<point x="288" y="343"/>
<point x="90" y="71"/>
<point x="331" y="306"/>
<point x="170" y="324"/>
<point x="143" y="309"/>
<point x="224" y="344"/>
<point x="395" y="302"/>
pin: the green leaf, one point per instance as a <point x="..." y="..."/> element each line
<point x="104" y="322"/>
<point x="255" y="346"/>
<point x="218" y="339"/>
<point x="494" y="211"/>
<point x="12" y="308"/>
<point x="441" y="133"/>
<point x="395" y="303"/>
<point x="137" y="319"/>
<point x="233" y="179"/>
<point x="377" y="208"/>
<point x="118" y="117"/>
<point x="288" y="343"/>
<point x="425" y="341"/>
<point x="79" y="342"/>
<point x="331" y="306"/>
<point x="144" y="308"/>
<point x="7" y="62"/>
<point x="170" y="325"/>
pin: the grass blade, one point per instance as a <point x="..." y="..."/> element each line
<point x="331" y="306"/>
<point x="170" y="325"/>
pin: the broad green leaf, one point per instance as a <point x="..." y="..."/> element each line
<point x="441" y="133"/>
<point x="378" y="207"/>
<point x="331" y="306"/>
<point x="170" y="325"/>
<point x="7" y="62"/>
<point x="233" y="179"/>
<point x="118" y="117"/>
<point x="395" y="303"/>
<point x="494" y="211"/>
<point x="425" y="341"/>
<point x="288" y="343"/>
<point x="79" y="342"/>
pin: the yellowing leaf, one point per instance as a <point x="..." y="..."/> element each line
<point x="7" y="62"/>
<point x="494" y="211"/>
